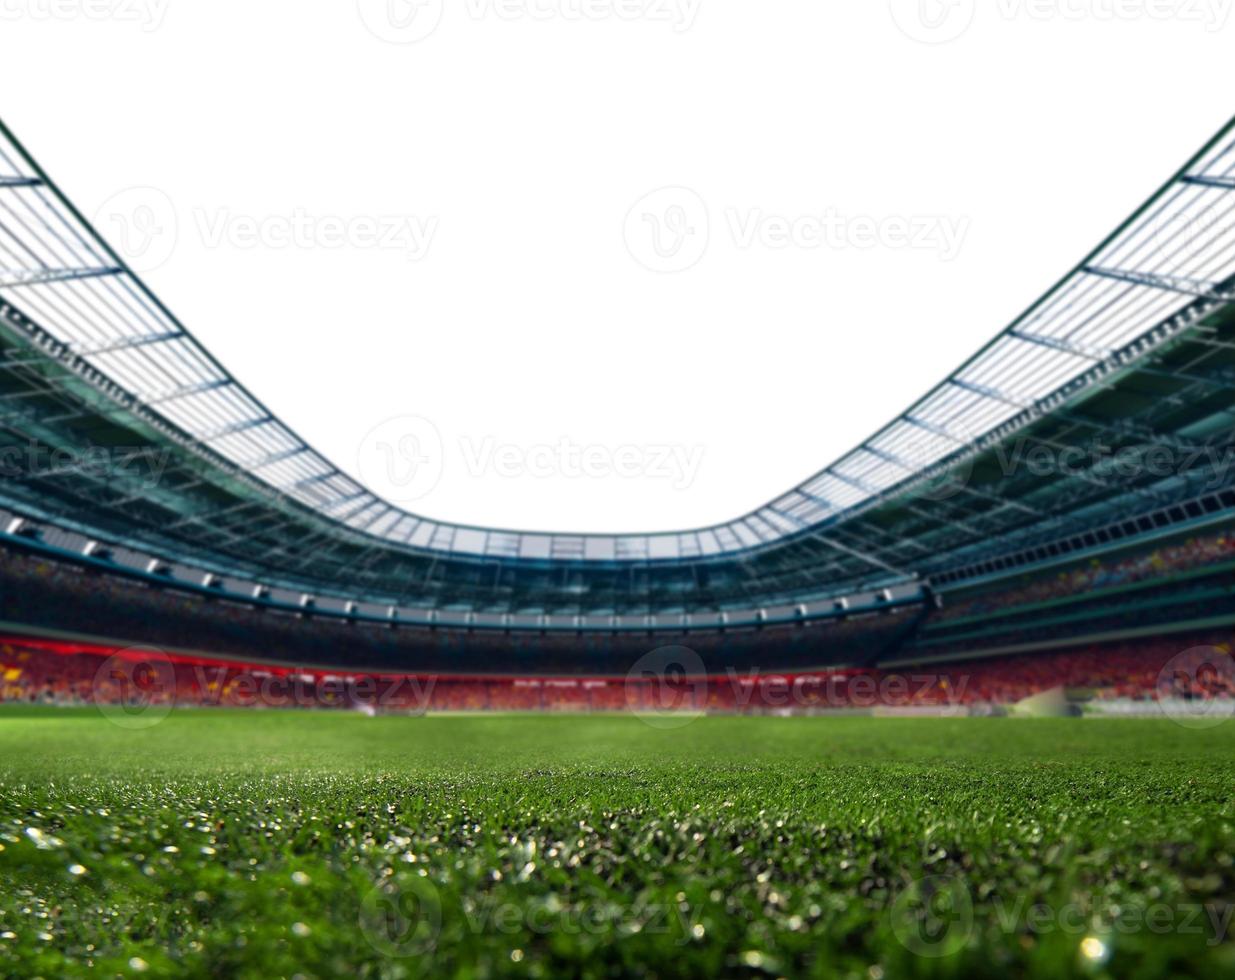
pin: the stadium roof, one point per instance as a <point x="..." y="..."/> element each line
<point x="1162" y="275"/>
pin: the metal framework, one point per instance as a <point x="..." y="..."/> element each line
<point x="92" y="357"/>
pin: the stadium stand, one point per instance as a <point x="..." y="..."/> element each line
<point x="54" y="673"/>
<point x="1155" y="562"/>
<point x="1057" y="513"/>
<point x="1141" y="606"/>
<point x="35" y="591"/>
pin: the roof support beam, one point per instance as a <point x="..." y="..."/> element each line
<point x="943" y="518"/>
<point x="994" y="394"/>
<point x="860" y="555"/>
<point x="231" y="430"/>
<point x="889" y="458"/>
<point x="308" y="481"/>
<point x="188" y="390"/>
<point x="127" y="343"/>
<point x="796" y="521"/>
<point x="1174" y="284"/>
<point x="15" y="278"/>
<point x="934" y="429"/>
<point x="999" y="499"/>
<point x="853" y="482"/>
<point x="1055" y="343"/>
<point x="335" y="504"/>
<point x="827" y="505"/>
<point x="271" y="458"/>
<point x="1221" y="181"/>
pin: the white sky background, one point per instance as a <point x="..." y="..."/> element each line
<point x="521" y="143"/>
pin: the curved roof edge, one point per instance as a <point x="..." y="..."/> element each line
<point x="1172" y="251"/>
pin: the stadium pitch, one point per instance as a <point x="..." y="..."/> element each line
<point x="315" y="843"/>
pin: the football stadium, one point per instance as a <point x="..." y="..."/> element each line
<point x="956" y="705"/>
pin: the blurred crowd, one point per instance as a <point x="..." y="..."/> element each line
<point x="213" y="652"/>
<point x="1188" y="667"/>
<point x="38" y="592"/>
<point x="1104" y="573"/>
<point x="1185" y="666"/>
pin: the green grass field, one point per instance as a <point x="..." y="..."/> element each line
<point x="317" y="844"/>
